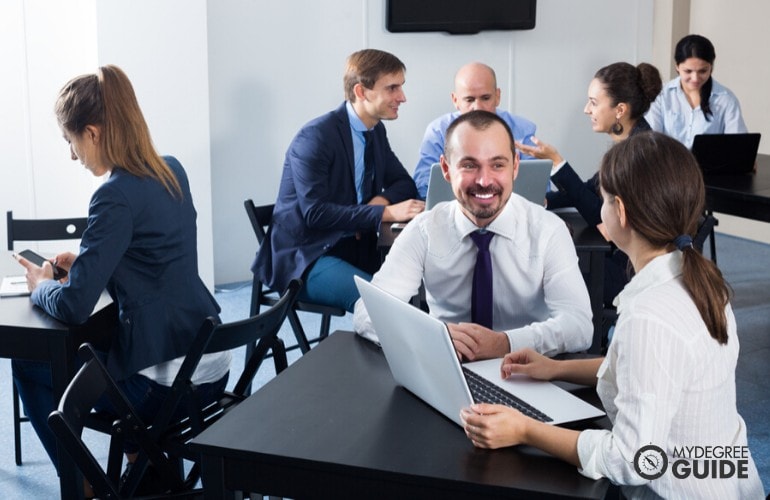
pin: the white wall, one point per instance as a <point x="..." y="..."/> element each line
<point x="162" y="46"/>
<point x="737" y="30"/>
<point x="271" y="70"/>
<point x="42" y="45"/>
<point x="226" y="84"/>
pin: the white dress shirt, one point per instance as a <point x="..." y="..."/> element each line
<point x="540" y="298"/>
<point x="672" y="114"/>
<point x="666" y="381"/>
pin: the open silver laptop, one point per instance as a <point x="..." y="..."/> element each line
<point x="531" y="183"/>
<point x="422" y="359"/>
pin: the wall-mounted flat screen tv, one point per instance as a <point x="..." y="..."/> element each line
<point x="460" y="16"/>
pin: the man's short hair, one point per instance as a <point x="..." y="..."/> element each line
<point x="366" y="67"/>
<point x="479" y="120"/>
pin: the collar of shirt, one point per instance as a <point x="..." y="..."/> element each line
<point x="503" y="225"/>
<point x="675" y="85"/>
<point x="658" y="271"/>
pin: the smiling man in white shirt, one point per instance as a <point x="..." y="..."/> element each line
<point x="539" y="296"/>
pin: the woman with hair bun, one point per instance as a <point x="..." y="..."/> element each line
<point x="618" y="96"/>
<point x="668" y="379"/>
<point x="694" y="103"/>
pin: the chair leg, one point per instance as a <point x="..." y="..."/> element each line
<point x="279" y="355"/>
<point x="299" y="332"/>
<point x="326" y="321"/>
<point x="17" y="420"/>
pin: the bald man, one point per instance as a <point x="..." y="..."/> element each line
<point x="475" y="88"/>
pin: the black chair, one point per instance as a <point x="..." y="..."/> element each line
<point x="262" y="330"/>
<point x="67" y="422"/>
<point x="164" y="443"/>
<point x="37" y="230"/>
<point x="260" y="217"/>
<point x="706" y="230"/>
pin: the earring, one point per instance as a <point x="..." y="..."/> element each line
<point x="617" y="127"/>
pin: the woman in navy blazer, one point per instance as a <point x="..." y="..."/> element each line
<point x="618" y="97"/>
<point x="140" y="244"/>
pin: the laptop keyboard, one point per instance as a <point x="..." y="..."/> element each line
<point x="484" y="391"/>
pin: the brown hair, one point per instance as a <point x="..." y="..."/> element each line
<point x="662" y="189"/>
<point x="366" y="67"/>
<point x="107" y="99"/>
<point x="479" y="120"/>
<point x="637" y="86"/>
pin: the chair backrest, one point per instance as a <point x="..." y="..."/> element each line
<point x="251" y="330"/>
<point x="705" y="229"/>
<point x="261" y="329"/>
<point x="90" y="384"/>
<point x="68" y="420"/>
<point x="44" y="229"/>
<point x="260" y="217"/>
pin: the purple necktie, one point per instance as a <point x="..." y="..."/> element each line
<point x="481" y="296"/>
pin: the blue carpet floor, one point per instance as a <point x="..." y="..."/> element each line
<point x="744" y="263"/>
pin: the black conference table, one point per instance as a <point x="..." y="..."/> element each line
<point x="591" y="248"/>
<point x="336" y="425"/>
<point x="27" y="332"/>
<point x="743" y="195"/>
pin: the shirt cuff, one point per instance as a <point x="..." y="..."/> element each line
<point x="557" y="167"/>
<point x="587" y="447"/>
<point x="520" y="338"/>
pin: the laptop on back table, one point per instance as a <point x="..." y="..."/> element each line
<point x="726" y="153"/>
<point x="422" y="358"/>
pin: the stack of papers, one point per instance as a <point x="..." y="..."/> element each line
<point x="14" y="286"/>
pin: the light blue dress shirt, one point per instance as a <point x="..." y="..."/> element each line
<point x="672" y="114"/>
<point x="357" y="129"/>
<point x="433" y="143"/>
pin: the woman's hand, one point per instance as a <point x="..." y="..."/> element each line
<point x="64" y="261"/>
<point x="530" y="363"/>
<point x="494" y="426"/>
<point x="541" y="150"/>
<point x="35" y="274"/>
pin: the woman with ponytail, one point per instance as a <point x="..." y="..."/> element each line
<point x="694" y="103"/>
<point x="668" y="378"/>
<point x="140" y="244"/>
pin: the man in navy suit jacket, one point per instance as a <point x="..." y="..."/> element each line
<point x="336" y="189"/>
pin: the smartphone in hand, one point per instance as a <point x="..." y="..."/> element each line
<point x="37" y="259"/>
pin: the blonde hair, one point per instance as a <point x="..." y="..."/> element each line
<point x="107" y="99"/>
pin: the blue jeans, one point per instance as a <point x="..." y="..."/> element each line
<point x="330" y="282"/>
<point x="33" y="381"/>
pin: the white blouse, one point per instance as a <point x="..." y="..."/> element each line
<point x="666" y="381"/>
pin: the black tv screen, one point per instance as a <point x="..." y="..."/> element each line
<point x="460" y="16"/>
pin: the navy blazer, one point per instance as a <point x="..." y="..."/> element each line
<point x="584" y="196"/>
<point x="317" y="203"/>
<point x="141" y="245"/>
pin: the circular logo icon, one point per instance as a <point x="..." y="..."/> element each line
<point x="650" y="462"/>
